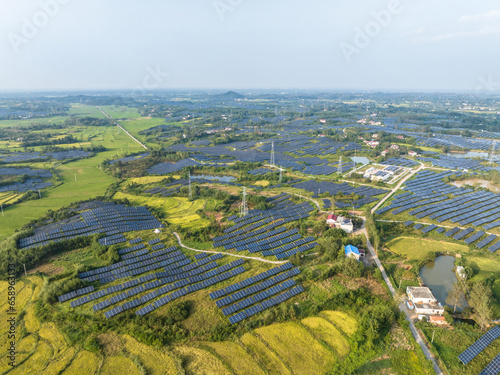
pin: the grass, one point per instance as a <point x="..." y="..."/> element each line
<point x="119" y="365"/>
<point x="177" y="211"/>
<point x="266" y="357"/>
<point x="346" y="323"/>
<point x="237" y="358"/>
<point x="84" y="363"/>
<point x="36" y="362"/>
<point x="50" y="333"/>
<point x="30" y="321"/>
<point x="417" y="248"/>
<point x="154" y="361"/>
<point x="147" y="179"/>
<point x="297" y="348"/>
<point x="326" y="332"/>
<point x="450" y="343"/>
<point x="57" y="365"/>
<point x="199" y="361"/>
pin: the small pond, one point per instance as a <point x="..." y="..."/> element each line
<point x="440" y="276"/>
<point x="360" y="160"/>
<point x="214" y="178"/>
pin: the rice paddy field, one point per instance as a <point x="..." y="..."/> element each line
<point x="178" y="211"/>
<point x="310" y="346"/>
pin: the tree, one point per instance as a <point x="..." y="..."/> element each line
<point x="480" y="300"/>
<point x="455" y="295"/>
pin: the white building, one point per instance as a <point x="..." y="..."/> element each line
<point x="424" y="301"/>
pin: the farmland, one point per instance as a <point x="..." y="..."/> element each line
<point x="414" y="248"/>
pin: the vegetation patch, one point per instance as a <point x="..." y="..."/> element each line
<point x="418" y="248"/>
<point x="326" y="332"/>
<point x="297" y="348"/>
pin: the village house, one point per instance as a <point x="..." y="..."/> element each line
<point x="353" y="252"/>
<point x="424" y="301"/>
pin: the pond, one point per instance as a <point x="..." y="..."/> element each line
<point x="440" y="276"/>
<point x="215" y="178"/>
<point x="360" y="160"/>
<point x="472" y="154"/>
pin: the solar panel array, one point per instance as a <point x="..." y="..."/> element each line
<point x="430" y="197"/>
<point x="253" y="232"/>
<point x="472" y="351"/>
<point x="255" y="294"/>
<point x="42" y="173"/>
<point x="32" y="184"/>
<point x="111" y="219"/>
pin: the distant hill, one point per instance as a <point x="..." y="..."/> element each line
<point x="230" y="95"/>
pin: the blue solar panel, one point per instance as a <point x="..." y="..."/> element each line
<point x="470" y="353"/>
<point x="493" y="367"/>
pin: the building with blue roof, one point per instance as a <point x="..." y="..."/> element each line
<point x="352" y="251"/>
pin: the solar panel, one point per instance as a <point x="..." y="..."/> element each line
<point x="472" y="351"/>
<point x="493" y="367"/>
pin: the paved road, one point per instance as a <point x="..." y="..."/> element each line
<point x="402" y="305"/>
<point x="121" y="127"/>
<point x="230" y="254"/>
<point x="310" y="199"/>
<point x="396" y="188"/>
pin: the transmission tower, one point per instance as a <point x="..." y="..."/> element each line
<point x="340" y="165"/>
<point x="190" y="191"/>
<point x="272" y="155"/>
<point x="492" y="151"/>
<point x="243" y="207"/>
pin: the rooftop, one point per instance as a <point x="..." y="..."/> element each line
<point x="420" y="292"/>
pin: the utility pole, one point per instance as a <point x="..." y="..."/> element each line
<point x="281" y="175"/>
<point x="2" y="210"/>
<point x="25" y="274"/>
<point x="75" y="177"/>
<point x="190" y="191"/>
<point x="272" y="155"/>
<point x="400" y="283"/>
<point x="244" y="208"/>
<point x="492" y="150"/>
<point x="39" y="194"/>
<point x="433" y="332"/>
<point x="340" y="165"/>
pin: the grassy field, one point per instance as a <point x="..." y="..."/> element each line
<point x="297" y="347"/>
<point x="178" y="211"/>
<point x="417" y="248"/>
<point x="325" y="331"/>
<point x="90" y="181"/>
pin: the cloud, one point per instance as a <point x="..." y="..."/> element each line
<point x="467" y="26"/>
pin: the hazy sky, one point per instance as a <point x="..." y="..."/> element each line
<point x="411" y="45"/>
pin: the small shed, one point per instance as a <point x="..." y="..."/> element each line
<point x="351" y="251"/>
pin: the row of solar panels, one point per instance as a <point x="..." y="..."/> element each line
<point x="137" y="258"/>
<point x="229" y="310"/>
<point x="300" y="249"/>
<point x="138" y="268"/>
<point x="249" y="232"/>
<point x="472" y="351"/>
<point x="181" y="266"/>
<point x="256" y="288"/>
<point x="131" y="249"/>
<point x="266" y="304"/>
<point x="255" y="248"/>
<point x="76" y="293"/>
<point x="242" y="284"/>
<point x="288" y="247"/>
<point x="177" y="294"/>
<point x="164" y="289"/>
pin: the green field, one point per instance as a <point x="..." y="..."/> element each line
<point x="417" y="248"/>
<point x="90" y="181"/>
<point x="178" y="211"/>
